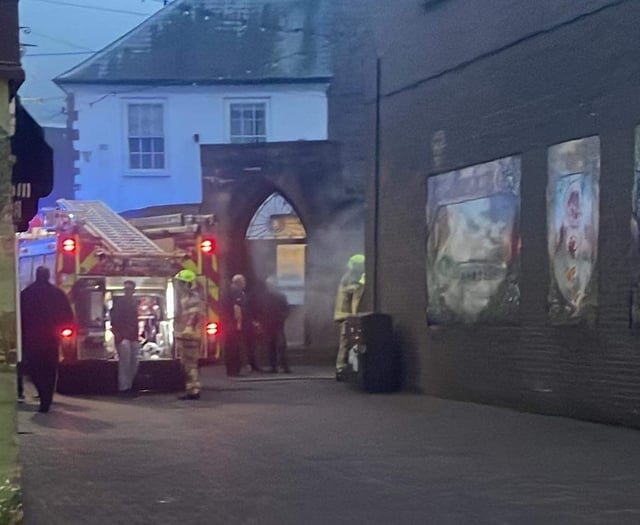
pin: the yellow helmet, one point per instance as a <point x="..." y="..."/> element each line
<point x="185" y="275"/>
<point x="356" y="261"/>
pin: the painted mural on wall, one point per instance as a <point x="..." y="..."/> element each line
<point x="572" y="226"/>
<point x="634" y="315"/>
<point x="636" y="187"/>
<point x="473" y="244"/>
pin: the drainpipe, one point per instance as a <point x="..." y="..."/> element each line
<point x="376" y="191"/>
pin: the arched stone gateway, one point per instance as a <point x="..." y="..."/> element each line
<point x="283" y="209"/>
<point x="276" y="244"/>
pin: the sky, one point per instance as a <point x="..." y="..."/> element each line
<point x="59" y="34"/>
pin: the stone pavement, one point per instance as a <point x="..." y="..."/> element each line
<point x="303" y="449"/>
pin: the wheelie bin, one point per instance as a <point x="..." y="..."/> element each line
<point x="374" y="360"/>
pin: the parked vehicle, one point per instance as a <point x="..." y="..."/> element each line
<point x="97" y="250"/>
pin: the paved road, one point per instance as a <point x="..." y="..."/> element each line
<point x="308" y="450"/>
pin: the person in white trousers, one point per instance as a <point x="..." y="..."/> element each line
<point x="124" y="325"/>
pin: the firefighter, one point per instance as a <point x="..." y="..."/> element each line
<point x="350" y="292"/>
<point x="188" y="331"/>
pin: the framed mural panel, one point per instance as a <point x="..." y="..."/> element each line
<point x="635" y="204"/>
<point x="572" y="229"/>
<point x="473" y="244"/>
<point x="634" y="300"/>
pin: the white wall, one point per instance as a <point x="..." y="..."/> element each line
<point x="293" y="113"/>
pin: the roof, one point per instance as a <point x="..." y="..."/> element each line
<point x="162" y="209"/>
<point x="217" y="42"/>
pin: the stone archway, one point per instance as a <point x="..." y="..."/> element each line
<point x="239" y="180"/>
<point x="276" y="245"/>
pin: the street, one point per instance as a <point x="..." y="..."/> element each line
<point x="304" y="449"/>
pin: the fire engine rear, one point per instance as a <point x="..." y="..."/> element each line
<point x="98" y="251"/>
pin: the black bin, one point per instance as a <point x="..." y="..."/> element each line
<point x="374" y="362"/>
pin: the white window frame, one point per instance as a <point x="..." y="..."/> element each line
<point x="140" y="171"/>
<point x="230" y="102"/>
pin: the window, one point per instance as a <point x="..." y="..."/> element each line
<point x="248" y="122"/>
<point x="146" y="136"/>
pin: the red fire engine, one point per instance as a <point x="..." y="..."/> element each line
<point x="97" y="251"/>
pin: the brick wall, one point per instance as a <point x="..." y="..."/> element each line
<point x="352" y="91"/>
<point x="512" y="78"/>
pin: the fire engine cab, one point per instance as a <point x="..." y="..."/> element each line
<point x="97" y="251"/>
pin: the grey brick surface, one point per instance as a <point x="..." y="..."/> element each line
<point x="500" y="78"/>
<point x="304" y="449"/>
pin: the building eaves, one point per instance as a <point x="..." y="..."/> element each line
<point x="198" y="82"/>
<point x="217" y="42"/>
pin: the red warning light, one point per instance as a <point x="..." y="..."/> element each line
<point x="69" y="245"/>
<point x="212" y="328"/>
<point x="66" y="332"/>
<point x="207" y="246"/>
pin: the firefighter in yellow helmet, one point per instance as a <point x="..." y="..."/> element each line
<point x="188" y="330"/>
<point x="348" y="299"/>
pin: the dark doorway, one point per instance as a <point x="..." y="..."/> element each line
<point x="276" y="244"/>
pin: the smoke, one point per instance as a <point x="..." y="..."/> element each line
<point x="329" y="249"/>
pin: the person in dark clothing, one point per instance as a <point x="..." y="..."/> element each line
<point x="233" y="307"/>
<point x="239" y="328"/>
<point x="44" y="312"/>
<point x="275" y="310"/>
<point x="124" y="325"/>
<point x="251" y="328"/>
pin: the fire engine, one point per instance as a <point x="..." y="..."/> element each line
<point x="97" y="251"/>
<point x="36" y="247"/>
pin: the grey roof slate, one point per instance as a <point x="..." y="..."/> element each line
<point x="217" y="41"/>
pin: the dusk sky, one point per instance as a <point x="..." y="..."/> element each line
<point x="63" y="33"/>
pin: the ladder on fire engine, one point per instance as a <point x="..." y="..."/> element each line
<point x="116" y="233"/>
